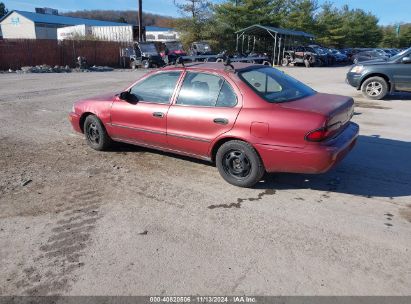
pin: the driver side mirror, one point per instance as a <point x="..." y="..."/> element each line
<point x="124" y="95"/>
<point x="406" y="60"/>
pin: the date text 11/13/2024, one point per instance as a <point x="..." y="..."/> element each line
<point x="203" y="299"/>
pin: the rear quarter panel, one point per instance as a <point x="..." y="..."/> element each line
<point x="261" y="122"/>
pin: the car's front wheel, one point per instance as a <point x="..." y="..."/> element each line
<point x="239" y="164"/>
<point x="95" y="133"/>
<point x="375" y="88"/>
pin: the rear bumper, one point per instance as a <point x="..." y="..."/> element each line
<point x="354" y="80"/>
<point x="75" y="121"/>
<point x="314" y="158"/>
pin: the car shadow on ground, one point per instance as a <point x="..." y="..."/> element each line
<point x="376" y="167"/>
<point x="398" y="96"/>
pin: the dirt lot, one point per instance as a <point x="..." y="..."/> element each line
<point x="133" y="221"/>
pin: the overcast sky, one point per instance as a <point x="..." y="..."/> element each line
<point x="388" y="11"/>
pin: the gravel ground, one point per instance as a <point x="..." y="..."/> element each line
<point x="134" y="221"/>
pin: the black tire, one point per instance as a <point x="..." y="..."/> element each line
<point x="375" y="88"/>
<point x="307" y="63"/>
<point x="133" y="64"/>
<point x="285" y="62"/>
<point x="239" y="164"/>
<point x="146" y="64"/>
<point x="95" y="133"/>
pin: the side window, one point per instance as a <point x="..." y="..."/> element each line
<point x="200" y="89"/>
<point x="227" y="97"/>
<point x="261" y="82"/>
<point x="157" y="88"/>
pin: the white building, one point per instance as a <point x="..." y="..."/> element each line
<point x="48" y="25"/>
<point x="29" y="25"/>
<point x="156" y="33"/>
<point x="121" y="33"/>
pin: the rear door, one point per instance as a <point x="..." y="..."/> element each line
<point x="206" y="107"/>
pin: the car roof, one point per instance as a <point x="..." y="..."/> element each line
<point x="213" y="66"/>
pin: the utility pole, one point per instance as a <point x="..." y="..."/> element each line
<point x="140" y="20"/>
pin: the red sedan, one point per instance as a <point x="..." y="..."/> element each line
<point x="248" y="119"/>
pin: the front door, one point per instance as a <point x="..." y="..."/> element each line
<point x="143" y="118"/>
<point x="402" y="75"/>
<point x="205" y="108"/>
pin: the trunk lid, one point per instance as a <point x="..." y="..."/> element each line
<point x="336" y="109"/>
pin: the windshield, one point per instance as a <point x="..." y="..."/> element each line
<point x="148" y="48"/>
<point x="203" y="47"/>
<point x="275" y="86"/>
<point x="174" y="46"/>
<point x="399" y="55"/>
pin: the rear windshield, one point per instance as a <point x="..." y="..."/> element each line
<point x="148" y="48"/>
<point x="275" y="86"/>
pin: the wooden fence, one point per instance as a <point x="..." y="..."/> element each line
<point x="15" y="54"/>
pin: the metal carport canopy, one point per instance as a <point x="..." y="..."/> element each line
<point x="262" y="30"/>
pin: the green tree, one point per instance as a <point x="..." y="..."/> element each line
<point x="3" y="9"/>
<point x="231" y="16"/>
<point x="361" y="28"/>
<point x="329" y="29"/>
<point x="392" y="40"/>
<point x="196" y="16"/>
<point x="301" y="15"/>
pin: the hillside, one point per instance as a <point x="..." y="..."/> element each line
<point x="123" y="16"/>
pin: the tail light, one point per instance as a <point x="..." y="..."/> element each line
<point x="317" y="135"/>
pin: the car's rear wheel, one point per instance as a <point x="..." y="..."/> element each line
<point x="146" y="64"/>
<point x="285" y="62"/>
<point x="239" y="164"/>
<point x="375" y="88"/>
<point x="95" y="133"/>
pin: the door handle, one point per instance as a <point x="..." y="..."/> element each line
<point x="220" y="121"/>
<point x="158" y="114"/>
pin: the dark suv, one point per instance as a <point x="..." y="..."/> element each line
<point x="306" y="55"/>
<point x="377" y="78"/>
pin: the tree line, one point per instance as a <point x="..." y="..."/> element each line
<point x="216" y="23"/>
<point x="332" y="26"/>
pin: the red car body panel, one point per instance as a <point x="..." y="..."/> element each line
<point x="276" y="130"/>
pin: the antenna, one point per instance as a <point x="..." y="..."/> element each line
<point x="227" y="63"/>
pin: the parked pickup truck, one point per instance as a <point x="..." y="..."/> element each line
<point x="377" y="78"/>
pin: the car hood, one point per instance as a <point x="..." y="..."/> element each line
<point x="102" y="97"/>
<point x="374" y="62"/>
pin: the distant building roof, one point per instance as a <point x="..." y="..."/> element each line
<point x="64" y="20"/>
<point x="158" y="29"/>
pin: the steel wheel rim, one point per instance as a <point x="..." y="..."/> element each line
<point x="374" y="88"/>
<point x="93" y="134"/>
<point x="236" y="164"/>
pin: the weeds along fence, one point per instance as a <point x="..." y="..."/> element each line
<point x="15" y="54"/>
